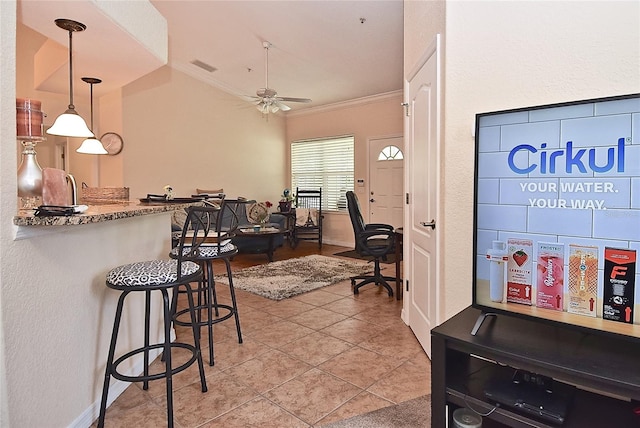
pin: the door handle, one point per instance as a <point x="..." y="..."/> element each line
<point x="372" y="200"/>
<point x="431" y="224"/>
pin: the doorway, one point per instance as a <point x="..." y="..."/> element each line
<point x="386" y="181"/>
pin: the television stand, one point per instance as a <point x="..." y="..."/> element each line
<point x="483" y="316"/>
<point x="604" y="369"/>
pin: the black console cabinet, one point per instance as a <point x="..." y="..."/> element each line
<point x="605" y="370"/>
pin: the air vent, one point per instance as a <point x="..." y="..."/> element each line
<point x="203" y="65"/>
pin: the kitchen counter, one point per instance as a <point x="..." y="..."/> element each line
<point x="30" y="226"/>
<point x="96" y="214"/>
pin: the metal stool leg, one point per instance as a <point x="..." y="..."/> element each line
<point x="233" y="299"/>
<point x="212" y="302"/>
<point x="196" y="338"/>
<point x="112" y="351"/>
<point x="167" y="355"/>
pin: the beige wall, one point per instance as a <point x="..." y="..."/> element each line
<point x="501" y="55"/>
<point x="183" y="132"/>
<point x="364" y="119"/>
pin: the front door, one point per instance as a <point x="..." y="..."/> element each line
<point x="386" y="181"/>
<point x="421" y="231"/>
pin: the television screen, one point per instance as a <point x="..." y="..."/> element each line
<point x="557" y="213"/>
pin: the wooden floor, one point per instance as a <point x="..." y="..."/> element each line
<point x="304" y="248"/>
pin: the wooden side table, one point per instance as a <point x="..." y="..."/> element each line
<point x="399" y="250"/>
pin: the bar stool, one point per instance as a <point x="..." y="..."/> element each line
<point x="219" y="247"/>
<point x="159" y="275"/>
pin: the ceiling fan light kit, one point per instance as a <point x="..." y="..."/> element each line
<point x="267" y="99"/>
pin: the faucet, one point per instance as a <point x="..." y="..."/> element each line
<point x="74" y="189"/>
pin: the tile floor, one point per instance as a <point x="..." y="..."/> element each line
<point x="306" y="361"/>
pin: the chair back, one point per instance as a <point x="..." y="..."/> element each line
<point x="309" y="199"/>
<point x="229" y="219"/>
<point x="356" y="215"/>
<point x="200" y="222"/>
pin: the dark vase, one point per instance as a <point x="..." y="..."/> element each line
<point x="284" y="207"/>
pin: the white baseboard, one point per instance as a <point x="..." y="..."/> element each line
<point x="116" y="388"/>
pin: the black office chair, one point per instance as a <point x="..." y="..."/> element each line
<point x="375" y="240"/>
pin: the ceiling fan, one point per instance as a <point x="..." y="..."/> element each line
<point x="267" y="99"/>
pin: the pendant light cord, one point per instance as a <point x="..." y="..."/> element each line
<point x="71" y="106"/>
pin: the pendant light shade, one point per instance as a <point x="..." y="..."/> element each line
<point x="92" y="146"/>
<point x="69" y="123"/>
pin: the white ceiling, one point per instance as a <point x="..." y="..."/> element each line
<point x="321" y="49"/>
<point x="329" y="51"/>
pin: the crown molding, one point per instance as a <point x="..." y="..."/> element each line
<point x="345" y="104"/>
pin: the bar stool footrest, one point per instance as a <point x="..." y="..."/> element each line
<point x="216" y="320"/>
<point x="155" y="376"/>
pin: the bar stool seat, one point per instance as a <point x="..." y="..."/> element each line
<point x="158" y="276"/>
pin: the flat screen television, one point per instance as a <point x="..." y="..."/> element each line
<point x="557" y="214"/>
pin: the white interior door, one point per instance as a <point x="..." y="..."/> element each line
<point x="386" y="181"/>
<point x="422" y="94"/>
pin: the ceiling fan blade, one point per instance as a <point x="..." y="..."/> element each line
<point x="295" y="100"/>
<point x="282" y="106"/>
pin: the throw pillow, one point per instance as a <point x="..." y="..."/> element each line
<point x="306" y="217"/>
<point x="257" y="212"/>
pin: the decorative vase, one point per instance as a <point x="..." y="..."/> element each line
<point x="284" y="206"/>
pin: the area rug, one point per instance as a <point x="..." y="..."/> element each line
<point x="409" y="414"/>
<point x="391" y="258"/>
<point x="282" y="279"/>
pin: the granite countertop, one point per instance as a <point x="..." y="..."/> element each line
<point x="97" y="214"/>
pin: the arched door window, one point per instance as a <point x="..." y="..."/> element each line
<point x="390" y="153"/>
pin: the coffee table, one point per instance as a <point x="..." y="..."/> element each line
<point x="268" y="233"/>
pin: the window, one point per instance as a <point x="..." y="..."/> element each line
<point x="326" y="163"/>
<point x="390" y="153"/>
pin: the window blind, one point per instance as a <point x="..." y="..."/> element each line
<point x="325" y="163"/>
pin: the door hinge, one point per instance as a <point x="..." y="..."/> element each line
<point x="406" y="108"/>
<point x="406" y="197"/>
<point x="407" y="285"/>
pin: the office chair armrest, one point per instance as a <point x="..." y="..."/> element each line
<point x="377" y="242"/>
<point x="378" y="226"/>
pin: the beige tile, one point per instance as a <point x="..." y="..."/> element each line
<point x="349" y="306"/>
<point x="258" y="412"/>
<point x="404" y="383"/>
<point x="268" y="370"/>
<point x="245" y="298"/>
<point x="364" y="402"/>
<point x="312" y="395"/>
<point x="231" y="353"/>
<point x="252" y="319"/>
<point x="352" y="330"/>
<point x="316" y="348"/>
<point x="318" y="297"/>
<point x="277" y="360"/>
<point x="287" y="308"/>
<point x="278" y="334"/>
<point x="130" y="398"/>
<point x="193" y="407"/>
<point x="147" y="415"/>
<point x="317" y="318"/>
<point x="341" y="288"/>
<point x="399" y="343"/>
<point x="360" y="366"/>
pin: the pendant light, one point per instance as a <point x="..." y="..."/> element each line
<point x="92" y="146"/>
<point x="69" y="123"/>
